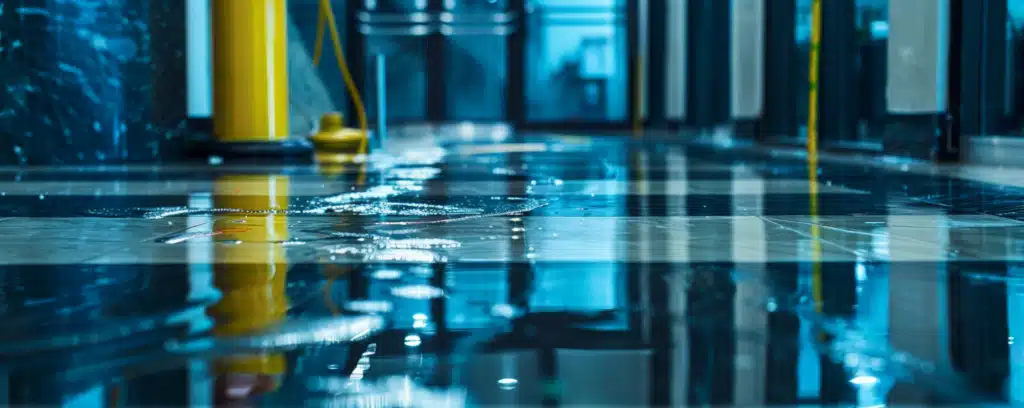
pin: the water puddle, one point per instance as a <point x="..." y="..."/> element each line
<point x="372" y="202"/>
<point x="504" y="207"/>
<point x="395" y="209"/>
<point x="406" y="256"/>
<point x="421" y="243"/>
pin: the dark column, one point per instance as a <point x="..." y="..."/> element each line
<point x="656" y="53"/>
<point x="779" y="115"/>
<point x="837" y="95"/>
<point x="707" y="63"/>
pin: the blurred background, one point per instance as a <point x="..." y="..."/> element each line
<point x="129" y="81"/>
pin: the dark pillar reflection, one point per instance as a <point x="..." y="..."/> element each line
<point x="783" y="338"/>
<point x="711" y="306"/>
<point x="839" y="298"/>
<point x="167" y="290"/>
<point x="979" y="334"/>
<point x="520" y="273"/>
<point x="57" y="301"/>
<point x="88" y="82"/>
<point x="648" y="277"/>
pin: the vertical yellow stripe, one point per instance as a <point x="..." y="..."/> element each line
<point x="812" y="150"/>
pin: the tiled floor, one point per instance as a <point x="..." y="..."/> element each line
<point x="542" y="271"/>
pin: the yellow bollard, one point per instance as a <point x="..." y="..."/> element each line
<point x="250" y="79"/>
<point x="251" y="270"/>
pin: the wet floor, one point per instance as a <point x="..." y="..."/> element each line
<point x="542" y="270"/>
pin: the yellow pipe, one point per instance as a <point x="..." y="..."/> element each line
<point x="812" y="151"/>
<point x="812" y="81"/>
<point x="250" y="76"/>
<point x="250" y="266"/>
<point x="326" y="19"/>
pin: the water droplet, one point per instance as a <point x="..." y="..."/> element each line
<point x="508" y="383"/>
<point x="406" y="255"/>
<point x="417" y="292"/>
<point x="386" y="274"/>
<point x="504" y="310"/>
<point x="422" y="271"/>
<point x="369" y="306"/>
<point x="422" y="243"/>
<point x="413" y="340"/>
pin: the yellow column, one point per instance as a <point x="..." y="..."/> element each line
<point x="250" y="77"/>
<point x="251" y="267"/>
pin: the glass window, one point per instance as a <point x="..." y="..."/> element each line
<point x="576" y="59"/>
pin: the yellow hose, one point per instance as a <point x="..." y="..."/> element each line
<point x="326" y="17"/>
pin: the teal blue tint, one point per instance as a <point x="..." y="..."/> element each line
<point x="802" y="37"/>
<point x="1012" y="123"/>
<point x="872" y="28"/>
<point x="577" y="65"/>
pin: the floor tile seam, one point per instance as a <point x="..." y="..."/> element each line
<point x="810" y="236"/>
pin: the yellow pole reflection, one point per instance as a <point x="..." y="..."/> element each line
<point x="250" y="270"/>
<point x="812" y="150"/>
<point x="334" y="165"/>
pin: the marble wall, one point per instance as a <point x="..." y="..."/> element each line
<point x="91" y="81"/>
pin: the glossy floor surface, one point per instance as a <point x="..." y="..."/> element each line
<point x="534" y="270"/>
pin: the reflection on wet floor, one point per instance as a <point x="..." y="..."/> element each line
<point x="596" y="272"/>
